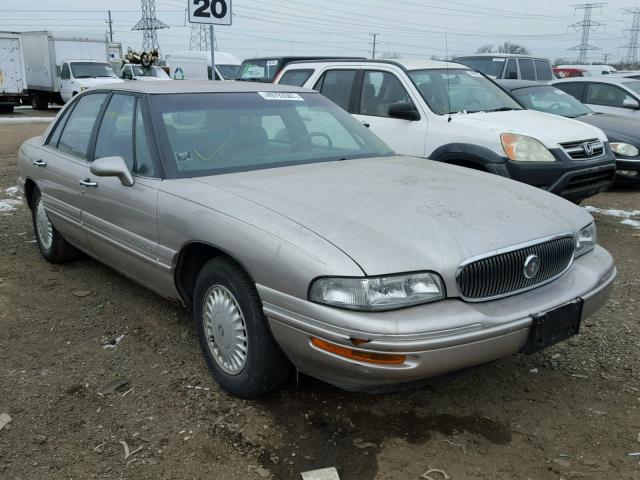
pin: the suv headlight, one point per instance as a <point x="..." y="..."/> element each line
<point x="625" y="149"/>
<point x="377" y="293"/>
<point x="586" y="240"/>
<point x="521" y="148"/>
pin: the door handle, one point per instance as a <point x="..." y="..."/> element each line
<point x="88" y="183"/>
<point x="39" y="163"/>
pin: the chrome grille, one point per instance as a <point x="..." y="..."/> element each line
<point x="503" y="274"/>
<point x="584" y="149"/>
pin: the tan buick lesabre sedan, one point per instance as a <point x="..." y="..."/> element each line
<point x="299" y="239"/>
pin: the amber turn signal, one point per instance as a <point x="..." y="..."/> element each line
<point x="360" y="356"/>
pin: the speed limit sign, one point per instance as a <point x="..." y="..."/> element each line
<point x="212" y="12"/>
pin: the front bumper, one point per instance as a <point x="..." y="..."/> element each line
<point x="436" y="338"/>
<point x="574" y="180"/>
<point x="628" y="171"/>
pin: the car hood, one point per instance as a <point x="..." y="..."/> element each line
<point x="98" y="82"/>
<point x="549" y="129"/>
<point x="152" y="79"/>
<point x="401" y="214"/>
<point x="616" y="127"/>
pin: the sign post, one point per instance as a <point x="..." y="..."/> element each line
<point x="210" y="12"/>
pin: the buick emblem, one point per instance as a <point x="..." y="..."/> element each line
<point x="531" y="266"/>
<point x="588" y="149"/>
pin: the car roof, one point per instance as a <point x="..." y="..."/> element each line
<point x="406" y="64"/>
<point x="516" y="84"/>
<point x="612" y="79"/>
<point x="201" y="86"/>
<point x="504" y="55"/>
<point x="300" y="57"/>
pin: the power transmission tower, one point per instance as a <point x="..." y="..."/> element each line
<point x="585" y="27"/>
<point x="374" y="44"/>
<point x="634" y="36"/>
<point x="149" y="25"/>
<point x="199" y="39"/>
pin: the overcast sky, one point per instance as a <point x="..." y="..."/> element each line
<point x="410" y="28"/>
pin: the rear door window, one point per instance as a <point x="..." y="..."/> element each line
<point x="511" y="72"/>
<point x="77" y="132"/>
<point x="337" y="86"/>
<point x="575" y="89"/>
<point x="527" y="69"/>
<point x="606" y="95"/>
<point x="296" y="78"/>
<point x="543" y="70"/>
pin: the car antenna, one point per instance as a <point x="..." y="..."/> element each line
<point x="446" y="52"/>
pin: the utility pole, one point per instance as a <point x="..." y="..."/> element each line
<point x="110" y="22"/>
<point x="634" y="36"/>
<point x="374" y="44"/>
<point x="605" y="56"/>
<point x="585" y="27"/>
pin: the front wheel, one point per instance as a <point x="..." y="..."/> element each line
<point x="234" y="335"/>
<point x="53" y="247"/>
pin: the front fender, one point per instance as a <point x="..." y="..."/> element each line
<point x="464" y="153"/>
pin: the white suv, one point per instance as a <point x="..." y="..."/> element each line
<point x="448" y="112"/>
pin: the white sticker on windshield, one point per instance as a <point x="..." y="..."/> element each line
<point x="290" y="97"/>
<point x="271" y="63"/>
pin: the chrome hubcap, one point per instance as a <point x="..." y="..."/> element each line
<point x="225" y="330"/>
<point x="43" y="226"/>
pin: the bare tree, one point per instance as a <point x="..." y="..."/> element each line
<point x="509" y="47"/>
<point x="485" y="49"/>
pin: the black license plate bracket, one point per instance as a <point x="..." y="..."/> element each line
<point x="554" y="326"/>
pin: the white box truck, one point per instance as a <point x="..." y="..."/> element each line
<point x="13" y="76"/>
<point x="61" y="65"/>
<point x="196" y="65"/>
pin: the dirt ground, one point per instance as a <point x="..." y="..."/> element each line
<point x="570" y="412"/>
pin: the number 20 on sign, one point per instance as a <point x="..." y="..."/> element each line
<point x="212" y="12"/>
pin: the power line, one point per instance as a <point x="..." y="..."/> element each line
<point x="149" y="25"/>
<point x="585" y="27"/>
<point x="634" y="36"/>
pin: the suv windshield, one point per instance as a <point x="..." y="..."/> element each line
<point x="259" y="70"/>
<point x="228" y="72"/>
<point x="456" y="90"/>
<point x="214" y="133"/>
<point x="492" y="66"/>
<point x="551" y="100"/>
<point x="91" y="70"/>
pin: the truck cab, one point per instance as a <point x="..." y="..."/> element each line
<point x="79" y="75"/>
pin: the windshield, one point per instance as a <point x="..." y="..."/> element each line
<point x="635" y="86"/>
<point x="91" y="70"/>
<point x="492" y="66"/>
<point x="259" y="70"/>
<point x="455" y="90"/>
<point x="216" y="133"/>
<point x="228" y="72"/>
<point x="551" y="100"/>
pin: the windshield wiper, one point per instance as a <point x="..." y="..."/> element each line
<point x="503" y="109"/>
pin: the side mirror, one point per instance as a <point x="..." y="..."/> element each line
<point x="404" y="111"/>
<point x="631" y="103"/>
<point x="112" y="167"/>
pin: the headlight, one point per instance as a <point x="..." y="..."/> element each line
<point x="586" y="240"/>
<point x="625" y="149"/>
<point x="520" y="148"/>
<point x="377" y="293"/>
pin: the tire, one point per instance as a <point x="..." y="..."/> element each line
<point x="247" y="362"/>
<point x="38" y="102"/>
<point x="52" y="245"/>
<point x="6" y="108"/>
